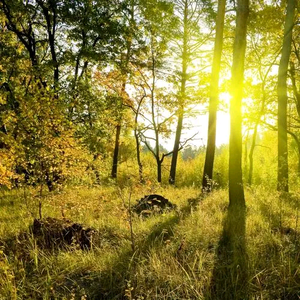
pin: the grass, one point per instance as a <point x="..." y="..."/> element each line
<point x="196" y="252"/>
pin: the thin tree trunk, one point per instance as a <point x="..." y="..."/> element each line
<point x="138" y="156"/>
<point x="282" y="176"/>
<point x="297" y="100"/>
<point x="97" y="175"/>
<point x="182" y="95"/>
<point x="157" y="154"/>
<point x="125" y="73"/>
<point x="158" y="170"/>
<point x="236" y="189"/>
<point x="214" y="99"/>
<point x="251" y="152"/>
<point x="51" y="29"/>
<point x="116" y="152"/>
<point x="176" y="149"/>
<point x="155" y="123"/>
<point x="137" y="140"/>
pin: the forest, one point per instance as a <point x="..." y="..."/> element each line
<point x="149" y="149"/>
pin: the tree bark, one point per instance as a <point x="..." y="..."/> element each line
<point x="236" y="189"/>
<point x="50" y="16"/>
<point x="116" y="152"/>
<point x="297" y="102"/>
<point x="176" y="149"/>
<point x="214" y="99"/>
<point x="159" y="163"/>
<point x="282" y="175"/>
<point x="138" y="155"/>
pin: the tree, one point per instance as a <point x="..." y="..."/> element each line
<point x="33" y="86"/>
<point x="214" y="99"/>
<point x="261" y="61"/>
<point x="282" y="175"/>
<point x="159" y="28"/>
<point x="42" y="31"/>
<point x="186" y="47"/>
<point x="236" y="190"/>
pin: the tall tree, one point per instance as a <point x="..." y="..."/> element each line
<point x="132" y="45"/>
<point x="214" y="99"/>
<point x="186" y="47"/>
<point x="236" y="189"/>
<point x="159" y="24"/>
<point x="282" y="175"/>
<point x="182" y="92"/>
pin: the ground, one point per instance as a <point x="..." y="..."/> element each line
<point x="197" y="251"/>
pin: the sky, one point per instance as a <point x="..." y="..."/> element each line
<point x="199" y="125"/>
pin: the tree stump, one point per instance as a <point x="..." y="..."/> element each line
<point x="152" y="204"/>
<point x="52" y="233"/>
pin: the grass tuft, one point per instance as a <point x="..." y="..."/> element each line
<point x="201" y="250"/>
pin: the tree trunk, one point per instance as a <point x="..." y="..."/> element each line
<point x="236" y="189"/>
<point x="182" y="95"/>
<point x="96" y="172"/>
<point x="176" y="149"/>
<point x="159" y="163"/>
<point x="214" y="99"/>
<point x="297" y="102"/>
<point x="124" y="71"/>
<point x="116" y="152"/>
<point x="138" y="156"/>
<point x="262" y="109"/>
<point x="251" y="152"/>
<point x="282" y="176"/>
<point x="51" y="16"/>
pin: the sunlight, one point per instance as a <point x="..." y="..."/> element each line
<point x="223" y="128"/>
<point x="199" y="125"/>
<point x="223" y="119"/>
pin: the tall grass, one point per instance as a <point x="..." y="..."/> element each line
<point x="178" y="255"/>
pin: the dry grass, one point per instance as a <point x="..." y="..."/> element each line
<point x="178" y="255"/>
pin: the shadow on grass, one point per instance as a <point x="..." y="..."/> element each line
<point x="230" y="273"/>
<point x="123" y="270"/>
<point x="113" y="282"/>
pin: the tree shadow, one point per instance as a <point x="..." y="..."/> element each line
<point x="230" y="273"/>
<point x="113" y="282"/>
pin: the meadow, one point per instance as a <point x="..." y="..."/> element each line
<point x="105" y="102"/>
<point x="181" y="254"/>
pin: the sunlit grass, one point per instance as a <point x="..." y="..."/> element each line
<point x="175" y="253"/>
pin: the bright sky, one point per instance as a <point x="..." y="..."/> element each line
<point x="199" y="126"/>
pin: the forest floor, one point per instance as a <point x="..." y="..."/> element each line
<point x="187" y="253"/>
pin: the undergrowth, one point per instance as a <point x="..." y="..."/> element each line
<point x="185" y="254"/>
